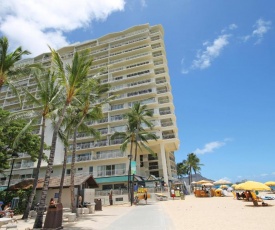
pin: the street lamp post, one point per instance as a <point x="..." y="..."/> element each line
<point x="14" y="156"/>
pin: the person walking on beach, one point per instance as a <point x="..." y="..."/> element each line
<point x="110" y="198"/>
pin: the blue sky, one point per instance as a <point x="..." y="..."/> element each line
<point x="220" y="58"/>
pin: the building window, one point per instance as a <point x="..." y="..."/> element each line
<point x="141" y="160"/>
<point x="152" y="157"/>
<point x="91" y="169"/>
<point x="107" y="187"/>
<point x="119" y="186"/>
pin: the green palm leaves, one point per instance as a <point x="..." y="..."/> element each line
<point x="135" y="133"/>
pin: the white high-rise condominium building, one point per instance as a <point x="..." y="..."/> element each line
<point x="136" y="68"/>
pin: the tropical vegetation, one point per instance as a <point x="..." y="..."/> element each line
<point x="191" y="164"/>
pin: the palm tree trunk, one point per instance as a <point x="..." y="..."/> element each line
<point x="35" y="181"/>
<point x="129" y="171"/>
<point x="190" y="176"/>
<point x="62" y="176"/>
<point x="73" y="206"/>
<point x="39" y="218"/>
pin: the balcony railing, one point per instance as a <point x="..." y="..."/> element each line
<point x="162" y="91"/>
<point x="80" y="158"/>
<point x="164" y="112"/>
<point x="114" y="172"/>
<point x="168" y="136"/>
<point x="166" y="123"/>
<point x="162" y="101"/>
<point x="110" y="155"/>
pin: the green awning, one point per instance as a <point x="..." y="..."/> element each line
<point x="111" y="179"/>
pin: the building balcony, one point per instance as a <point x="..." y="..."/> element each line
<point x="111" y="155"/>
<point x="166" y="123"/>
<point x="114" y="172"/>
<point x="168" y="136"/>
<point x="165" y="112"/>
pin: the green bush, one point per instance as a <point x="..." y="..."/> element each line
<point x="23" y="196"/>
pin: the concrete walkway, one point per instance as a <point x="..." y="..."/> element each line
<point x="118" y="217"/>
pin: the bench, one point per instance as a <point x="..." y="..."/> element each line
<point x="71" y="216"/>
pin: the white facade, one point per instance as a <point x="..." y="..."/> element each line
<point x="136" y="68"/>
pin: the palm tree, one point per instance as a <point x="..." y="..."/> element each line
<point x="191" y="164"/>
<point x="72" y="77"/>
<point x="88" y="110"/>
<point x="138" y="116"/>
<point x="135" y="133"/>
<point x="8" y="69"/>
<point x="45" y="102"/>
<point x="80" y="117"/>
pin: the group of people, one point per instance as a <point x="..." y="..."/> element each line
<point x="7" y="211"/>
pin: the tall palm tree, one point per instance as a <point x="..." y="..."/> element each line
<point x="135" y="133"/>
<point x="192" y="163"/>
<point x="8" y="69"/>
<point x="47" y="99"/>
<point x="88" y="110"/>
<point x="137" y="116"/>
<point x="72" y="77"/>
<point x="180" y="169"/>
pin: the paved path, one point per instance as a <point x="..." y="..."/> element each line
<point x="118" y="217"/>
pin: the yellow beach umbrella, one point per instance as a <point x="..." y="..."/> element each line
<point x="233" y="185"/>
<point x="270" y="183"/>
<point x="252" y="185"/>
<point x="224" y="186"/>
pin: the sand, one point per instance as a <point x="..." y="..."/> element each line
<point x="223" y="213"/>
<point x="211" y="213"/>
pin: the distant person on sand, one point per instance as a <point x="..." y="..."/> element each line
<point x="145" y="197"/>
<point x="173" y="193"/>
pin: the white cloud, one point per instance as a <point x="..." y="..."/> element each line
<point x="36" y="24"/>
<point x="264" y="174"/>
<point x="210" y="147"/>
<point x="212" y="51"/>
<point x="261" y="28"/>
<point x="233" y="26"/>
<point x="183" y="69"/>
<point x="143" y="3"/>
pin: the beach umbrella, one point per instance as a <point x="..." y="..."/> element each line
<point x="270" y="183"/>
<point x="224" y="186"/>
<point x="233" y="185"/>
<point x="208" y="184"/>
<point x="252" y="185"/>
<point x="221" y="182"/>
<point x="203" y="181"/>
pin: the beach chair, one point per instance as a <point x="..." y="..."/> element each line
<point x="255" y="197"/>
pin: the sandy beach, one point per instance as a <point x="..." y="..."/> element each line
<point x="217" y="213"/>
<point x="193" y="213"/>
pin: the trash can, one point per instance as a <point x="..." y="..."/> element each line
<point x="91" y="207"/>
<point x="98" y="205"/>
<point x="182" y="196"/>
<point x="54" y="217"/>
